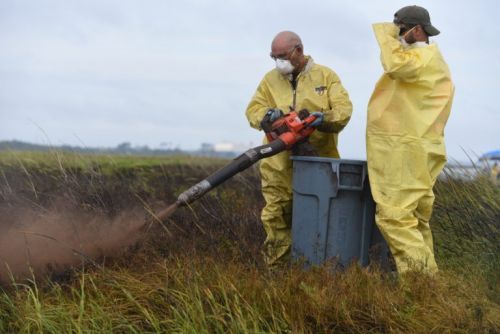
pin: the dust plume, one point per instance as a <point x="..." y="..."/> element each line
<point x="52" y="240"/>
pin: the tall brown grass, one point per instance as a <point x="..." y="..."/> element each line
<point x="201" y="271"/>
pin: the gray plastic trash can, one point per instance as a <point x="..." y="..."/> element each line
<point x="334" y="213"/>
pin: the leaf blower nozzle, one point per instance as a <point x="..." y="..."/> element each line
<point x="237" y="165"/>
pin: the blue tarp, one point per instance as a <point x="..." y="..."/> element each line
<point x="495" y="155"/>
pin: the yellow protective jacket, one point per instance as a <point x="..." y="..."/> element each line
<point x="318" y="89"/>
<point x="416" y="78"/>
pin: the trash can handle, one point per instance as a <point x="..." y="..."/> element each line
<point x="336" y="169"/>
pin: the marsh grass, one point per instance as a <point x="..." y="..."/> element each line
<point x="207" y="295"/>
<point x="202" y="271"/>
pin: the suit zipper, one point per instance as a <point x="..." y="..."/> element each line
<point x="294" y="92"/>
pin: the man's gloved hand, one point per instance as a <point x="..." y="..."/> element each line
<point x="273" y="114"/>
<point x="319" y="119"/>
<point x="269" y="118"/>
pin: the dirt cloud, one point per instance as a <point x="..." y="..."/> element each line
<point x="52" y="240"/>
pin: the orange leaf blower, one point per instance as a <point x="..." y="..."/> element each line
<point x="283" y="134"/>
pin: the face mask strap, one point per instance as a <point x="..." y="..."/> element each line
<point x="407" y="32"/>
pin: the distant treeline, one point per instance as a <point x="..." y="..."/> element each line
<point x="123" y="148"/>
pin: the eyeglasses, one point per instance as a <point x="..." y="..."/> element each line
<point x="286" y="55"/>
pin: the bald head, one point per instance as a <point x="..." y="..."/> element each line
<point x="286" y="40"/>
<point x="288" y="46"/>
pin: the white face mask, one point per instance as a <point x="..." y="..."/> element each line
<point x="403" y="42"/>
<point x="284" y="66"/>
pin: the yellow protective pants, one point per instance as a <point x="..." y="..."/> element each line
<point x="276" y="174"/>
<point x="402" y="175"/>
<point x="408" y="234"/>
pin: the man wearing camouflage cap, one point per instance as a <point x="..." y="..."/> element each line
<point x="407" y="113"/>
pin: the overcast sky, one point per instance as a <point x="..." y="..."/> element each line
<point x="101" y="72"/>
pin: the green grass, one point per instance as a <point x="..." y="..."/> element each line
<point x="62" y="160"/>
<point x="202" y="272"/>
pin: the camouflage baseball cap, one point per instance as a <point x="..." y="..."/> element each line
<point x="416" y="15"/>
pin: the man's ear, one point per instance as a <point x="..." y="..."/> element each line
<point x="421" y="30"/>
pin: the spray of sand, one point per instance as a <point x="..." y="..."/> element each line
<point x="41" y="240"/>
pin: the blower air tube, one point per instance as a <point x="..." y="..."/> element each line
<point x="237" y="165"/>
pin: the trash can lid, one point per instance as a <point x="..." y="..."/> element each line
<point x="324" y="159"/>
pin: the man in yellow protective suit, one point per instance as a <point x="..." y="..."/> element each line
<point x="407" y="113"/>
<point x="296" y="83"/>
